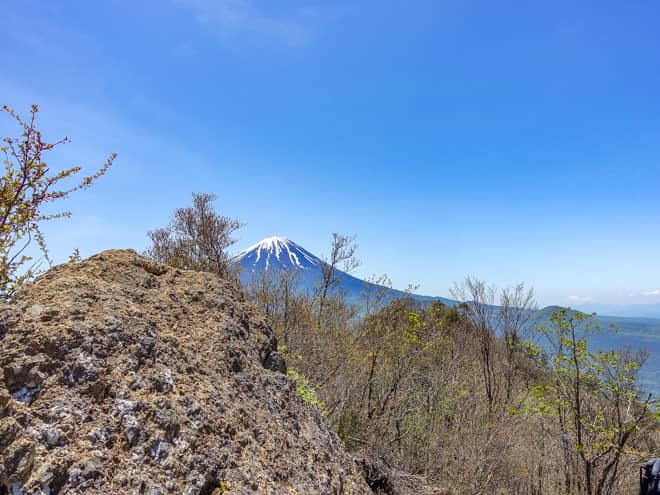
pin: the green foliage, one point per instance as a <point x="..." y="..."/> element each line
<point x="223" y="487"/>
<point x="27" y="186"/>
<point x="593" y="398"/>
<point x="306" y="391"/>
<point x="75" y="256"/>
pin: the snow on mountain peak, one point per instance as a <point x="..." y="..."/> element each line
<point x="276" y="252"/>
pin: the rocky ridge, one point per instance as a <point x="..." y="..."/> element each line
<point x="118" y="375"/>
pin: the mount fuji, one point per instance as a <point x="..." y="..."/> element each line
<point x="276" y="254"/>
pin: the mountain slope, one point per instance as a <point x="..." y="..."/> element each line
<point x="276" y="254"/>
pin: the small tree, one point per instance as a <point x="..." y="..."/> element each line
<point x="342" y="252"/>
<point x="515" y="312"/>
<point x="594" y="401"/>
<point x="512" y="319"/>
<point x="479" y="307"/>
<point x="196" y="238"/>
<point x="25" y="189"/>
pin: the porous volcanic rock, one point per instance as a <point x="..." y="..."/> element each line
<point x="119" y="375"/>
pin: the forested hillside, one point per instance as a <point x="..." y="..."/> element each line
<point x="433" y="393"/>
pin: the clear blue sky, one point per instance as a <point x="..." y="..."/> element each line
<point x="513" y="141"/>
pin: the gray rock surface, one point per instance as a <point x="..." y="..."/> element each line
<point x="119" y="375"/>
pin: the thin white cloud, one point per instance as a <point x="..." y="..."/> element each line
<point x="580" y="298"/>
<point x="239" y="18"/>
<point x="651" y="293"/>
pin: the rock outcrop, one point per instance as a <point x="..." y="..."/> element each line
<point x="118" y="375"/>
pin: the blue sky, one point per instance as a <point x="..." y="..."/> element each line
<point x="513" y="141"/>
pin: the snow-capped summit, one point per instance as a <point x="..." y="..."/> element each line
<point x="276" y="253"/>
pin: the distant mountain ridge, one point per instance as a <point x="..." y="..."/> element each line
<point x="623" y="310"/>
<point x="275" y="254"/>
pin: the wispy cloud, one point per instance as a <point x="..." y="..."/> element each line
<point x="651" y="293"/>
<point x="580" y="298"/>
<point x="239" y="18"/>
